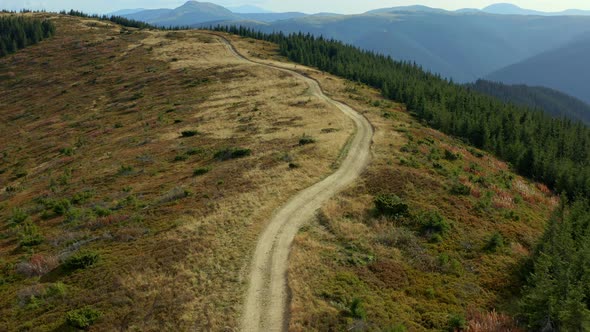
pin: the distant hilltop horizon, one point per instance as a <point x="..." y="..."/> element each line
<point x="497" y="8"/>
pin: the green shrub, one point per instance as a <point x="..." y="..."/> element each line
<point x="189" y="133"/>
<point x="232" y="153"/>
<point x="194" y="151"/>
<point x="495" y="242"/>
<point x="450" y="156"/>
<point x="29" y="235"/>
<point x="397" y="328"/>
<point x="305" y="140"/>
<point x="181" y="157"/>
<point x="68" y="151"/>
<point x="56" y="290"/>
<point x="82" y="197"/>
<point x="356" y="309"/>
<point x="432" y="223"/>
<point x="457" y="322"/>
<point x="61" y="207"/>
<point x="460" y="189"/>
<point x="390" y="205"/>
<point x="125" y="170"/>
<point x="18" y="217"/>
<point x="81" y="260"/>
<point x="100" y="211"/>
<point x="82" y="318"/>
<point x="201" y="171"/>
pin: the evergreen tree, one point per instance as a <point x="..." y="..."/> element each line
<point x="17" y="32"/>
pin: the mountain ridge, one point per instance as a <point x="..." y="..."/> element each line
<point x="564" y="68"/>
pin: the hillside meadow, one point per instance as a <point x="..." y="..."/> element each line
<point x="137" y="169"/>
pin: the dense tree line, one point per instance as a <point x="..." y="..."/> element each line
<point x="555" y="103"/>
<point x="123" y="21"/>
<point x="553" y="151"/>
<point x="557" y="296"/>
<point x="18" y="32"/>
<point x="113" y="18"/>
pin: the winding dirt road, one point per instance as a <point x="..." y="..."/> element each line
<point x="267" y="300"/>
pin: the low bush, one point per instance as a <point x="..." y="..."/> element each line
<point x="82" y="318"/>
<point x="29" y="235"/>
<point x="390" y="205"/>
<point x="125" y="170"/>
<point x="495" y="243"/>
<point x="100" y="211"/>
<point x="189" y="133"/>
<point x="432" y="223"/>
<point x="356" y="309"/>
<point x="305" y="140"/>
<point x="457" y="322"/>
<point x="68" y="151"/>
<point x="232" y="153"/>
<point x="81" y="260"/>
<point x="18" y="217"/>
<point x="194" y="151"/>
<point x="61" y="207"/>
<point x="181" y="157"/>
<point x="460" y="189"/>
<point x="450" y="156"/>
<point x="201" y="171"/>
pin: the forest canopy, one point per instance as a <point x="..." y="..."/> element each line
<point x="17" y="32"/>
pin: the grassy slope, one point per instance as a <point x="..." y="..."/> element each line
<point x="99" y="109"/>
<point x="399" y="276"/>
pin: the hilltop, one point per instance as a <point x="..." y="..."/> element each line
<point x="159" y="157"/>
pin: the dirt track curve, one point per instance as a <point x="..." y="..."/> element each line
<point x="267" y="300"/>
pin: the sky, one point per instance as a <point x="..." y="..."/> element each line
<point x="307" y="6"/>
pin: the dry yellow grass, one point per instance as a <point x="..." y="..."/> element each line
<point x="101" y="108"/>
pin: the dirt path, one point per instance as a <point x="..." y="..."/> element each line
<point x="267" y="301"/>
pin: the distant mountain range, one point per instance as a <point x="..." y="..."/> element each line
<point x="501" y="42"/>
<point x="249" y="9"/>
<point x="510" y="9"/>
<point x="498" y="9"/>
<point x="565" y="68"/>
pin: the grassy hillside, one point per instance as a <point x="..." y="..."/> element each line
<point x="137" y="169"/>
<point x="556" y="103"/>
<point x="455" y="255"/>
<point x="564" y="69"/>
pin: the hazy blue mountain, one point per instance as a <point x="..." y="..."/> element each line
<point x="123" y="12"/>
<point x="271" y="17"/>
<point x="248" y="9"/>
<point x="415" y="8"/>
<point x="190" y="13"/>
<point x="564" y="68"/>
<point x="464" y="47"/>
<point x="498" y="9"/>
<point x="510" y="9"/>
<point x="551" y="101"/>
